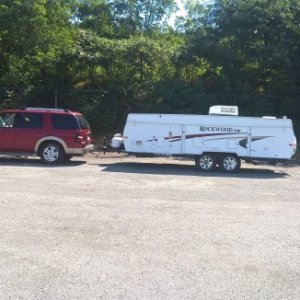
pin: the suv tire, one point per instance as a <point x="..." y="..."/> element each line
<point x="52" y="153"/>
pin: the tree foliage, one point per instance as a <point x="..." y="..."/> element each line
<point x="34" y="35"/>
<point x="137" y="16"/>
<point x="110" y="57"/>
<point x="253" y="47"/>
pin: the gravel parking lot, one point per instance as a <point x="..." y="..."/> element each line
<point x="121" y="227"/>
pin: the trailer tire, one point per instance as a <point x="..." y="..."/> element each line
<point x="205" y="162"/>
<point x="229" y="163"/>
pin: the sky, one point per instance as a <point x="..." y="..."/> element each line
<point x="181" y="12"/>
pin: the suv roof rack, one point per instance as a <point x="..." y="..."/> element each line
<point x="48" y="109"/>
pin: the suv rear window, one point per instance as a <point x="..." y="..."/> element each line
<point x="64" y="122"/>
<point x="83" y="122"/>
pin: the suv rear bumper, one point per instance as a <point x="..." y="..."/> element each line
<point x="80" y="151"/>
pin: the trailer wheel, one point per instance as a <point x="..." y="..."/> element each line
<point x="229" y="163"/>
<point x="205" y="162"/>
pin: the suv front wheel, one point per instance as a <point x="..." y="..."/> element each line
<point x="52" y="153"/>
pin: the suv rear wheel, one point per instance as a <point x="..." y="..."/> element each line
<point x="52" y="153"/>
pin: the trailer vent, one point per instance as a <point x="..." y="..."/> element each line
<point x="224" y="110"/>
<point x="269" y="117"/>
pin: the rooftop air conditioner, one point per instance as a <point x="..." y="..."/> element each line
<point x="223" y="110"/>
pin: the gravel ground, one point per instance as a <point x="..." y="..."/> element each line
<point x="121" y="227"/>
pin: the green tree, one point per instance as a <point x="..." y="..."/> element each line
<point x="34" y="35"/>
<point x="139" y="16"/>
<point x="253" y="47"/>
<point x="94" y="15"/>
<point x="124" y="71"/>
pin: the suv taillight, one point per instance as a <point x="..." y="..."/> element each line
<point x="79" y="138"/>
<point x="83" y="138"/>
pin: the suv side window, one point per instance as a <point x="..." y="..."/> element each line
<point x="64" y="122"/>
<point x="28" y="120"/>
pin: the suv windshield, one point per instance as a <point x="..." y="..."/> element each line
<point x="83" y="123"/>
<point x="7" y="119"/>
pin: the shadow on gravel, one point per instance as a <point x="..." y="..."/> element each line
<point x="35" y="162"/>
<point x="186" y="170"/>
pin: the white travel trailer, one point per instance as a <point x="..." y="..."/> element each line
<point x="219" y="139"/>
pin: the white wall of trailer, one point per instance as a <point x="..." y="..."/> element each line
<point x="167" y="134"/>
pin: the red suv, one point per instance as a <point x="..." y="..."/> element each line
<point x="53" y="134"/>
